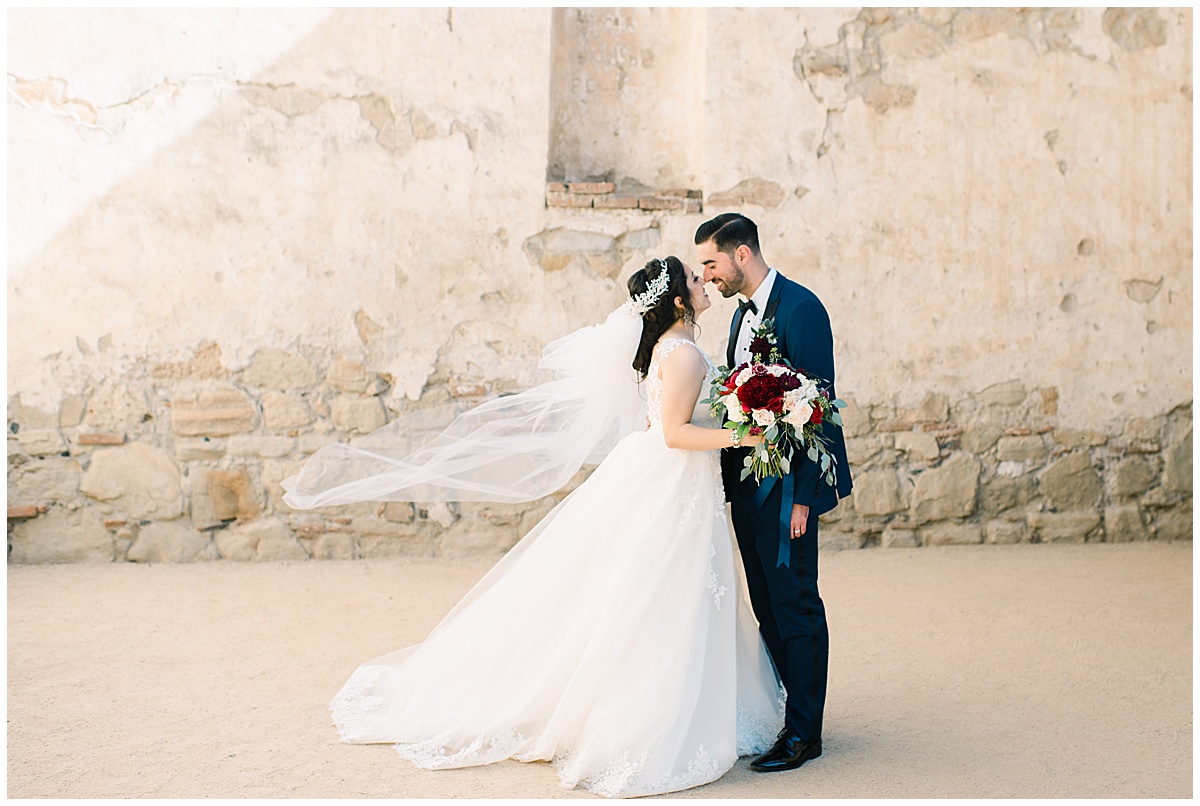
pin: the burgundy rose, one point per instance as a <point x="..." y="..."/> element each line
<point x="759" y="346"/>
<point x="759" y="369"/>
<point x="762" y="392"/>
<point x="817" y="414"/>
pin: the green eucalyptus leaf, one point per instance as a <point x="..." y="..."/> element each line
<point x="746" y="473"/>
<point x="839" y="403"/>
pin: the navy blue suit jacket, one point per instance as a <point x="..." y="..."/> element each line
<point x="805" y="339"/>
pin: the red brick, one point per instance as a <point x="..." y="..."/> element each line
<point x="617" y="202"/>
<point x="567" y="200"/>
<point x="1017" y="432"/>
<point x="591" y="187"/>
<point x="114" y="523"/>
<point x="556" y="187"/>
<point x="468" y="390"/>
<point x="17" y="513"/>
<point x="99" y="438"/>
<point x="657" y="203"/>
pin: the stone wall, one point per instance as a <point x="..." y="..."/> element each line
<point x="255" y="232"/>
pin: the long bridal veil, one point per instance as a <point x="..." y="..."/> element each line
<point x="511" y="449"/>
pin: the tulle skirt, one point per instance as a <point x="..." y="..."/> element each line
<point x="615" y="640"/>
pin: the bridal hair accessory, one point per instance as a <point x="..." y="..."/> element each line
<point x="653" y="293"/>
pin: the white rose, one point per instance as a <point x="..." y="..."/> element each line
<point x="791" y="399"/>
<point x="764" y="417"/>
<point x="799" y="416"/>
<point x="777" y="370"/>
<point x="745" y="375"/>
<point x="733" y="408"/>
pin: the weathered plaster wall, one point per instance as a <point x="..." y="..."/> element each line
<point x="235" y="236"/>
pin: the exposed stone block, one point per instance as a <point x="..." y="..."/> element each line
<point x="1135" y="28"/>
<point x="214" y="412"/>
<point x="1001" y="493"/>
<point x="761" y="192"/>
<point x="261" y="540"/>
<point x="170" y="542"/>
<point x="443" y="514"/>
<point x="934" y="408"/>
<point x="285" y="411"/>
<point x="951" y="534"/>
<point x="392" y="545"/>
<point x="918" y="444"/>
<point x="856" y="422"/>
<point x="41" y="441"/>
<point x="1009" y="393"/>
<point x="839" y="541"/>
<point x="334" y="547"/>
<point x="347" y="375"/>
<point x="49" y="480"/>
<point x="398" y="512"/>
<point x="118" y="407"/>
<point x="1006" y="532"/>
<point x="277" y="369"/>
<point x="357" y="415"/>
<point x="1071" y="483"/>
<point x="1171" y="524"/>
<point x="877" y="492"/>
<point x="948" y="491"/>
<point x="894" y="426"/>
<point x="61" y="536"/>
<point x="256" y="445"/>
<point x="1144" y="429"/>
<point x="979" y="438"/>
<point x="1123" y="523"/>
<point x="555" y="249"/>
<point x="28" y="416"/>
<point x="1135" y="475"/>
<point x="1177" y="464"/>
<point x="311" y="443"/>
<point x="693" y="206"/>
<point x="899" y="538"/>
<point x="199" y="450"/>
<point x="1079" y="439"/>
<point x="232" y="495"/>
<point x="1063" y="527"/>
<point x="1021" y="449"/>
<point x="138" y="478"/>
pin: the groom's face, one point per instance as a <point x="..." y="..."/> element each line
<point x="720" y="270"/>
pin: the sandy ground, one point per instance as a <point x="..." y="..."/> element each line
<point x="1006" y="671"/>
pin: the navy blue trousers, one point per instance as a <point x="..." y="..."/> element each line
<point x="790" y="613"/>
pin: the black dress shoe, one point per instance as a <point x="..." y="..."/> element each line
<point x="788" y="753"/>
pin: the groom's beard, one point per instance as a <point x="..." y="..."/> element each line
<point x="734" y="285"/>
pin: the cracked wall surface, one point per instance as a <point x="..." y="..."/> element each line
<point x="255" y="232"/>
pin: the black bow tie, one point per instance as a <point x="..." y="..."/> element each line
<point x="748" y="304"/>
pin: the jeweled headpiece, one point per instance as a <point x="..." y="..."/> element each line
<point x="653" y="293"/>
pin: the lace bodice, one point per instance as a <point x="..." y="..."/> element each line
<point x="654" y="384"/>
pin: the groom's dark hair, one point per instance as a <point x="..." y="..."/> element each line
<point x="729" y="231"/>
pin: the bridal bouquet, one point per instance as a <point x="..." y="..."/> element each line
<point x="768" y="396"/>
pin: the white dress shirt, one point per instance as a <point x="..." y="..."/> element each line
<point x="741" y="352"/>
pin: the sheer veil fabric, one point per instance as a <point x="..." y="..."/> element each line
<point x="616" y="639"/>
<point x="511" y="449"/>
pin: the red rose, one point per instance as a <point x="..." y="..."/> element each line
<point x="817" y="415"/>
<point x="762" y="392"/>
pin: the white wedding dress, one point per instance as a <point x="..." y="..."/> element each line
<point x="615" y="639"/>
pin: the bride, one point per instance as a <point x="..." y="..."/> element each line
<point x="615" y="639"/>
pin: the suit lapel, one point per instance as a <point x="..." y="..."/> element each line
<point x="773" y="300"/>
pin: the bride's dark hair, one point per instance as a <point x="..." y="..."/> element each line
<point x="663" y="313"/>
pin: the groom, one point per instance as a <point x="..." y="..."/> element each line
<point x="778" y="538"/>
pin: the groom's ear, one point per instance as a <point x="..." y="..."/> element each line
<point x="743" y="254"/>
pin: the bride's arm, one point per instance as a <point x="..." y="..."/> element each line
<point x="683" y="373"/>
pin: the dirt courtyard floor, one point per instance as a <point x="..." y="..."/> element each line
<point x="993" y="671"/>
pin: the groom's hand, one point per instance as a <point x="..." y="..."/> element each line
<point x="799" y="520"/>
